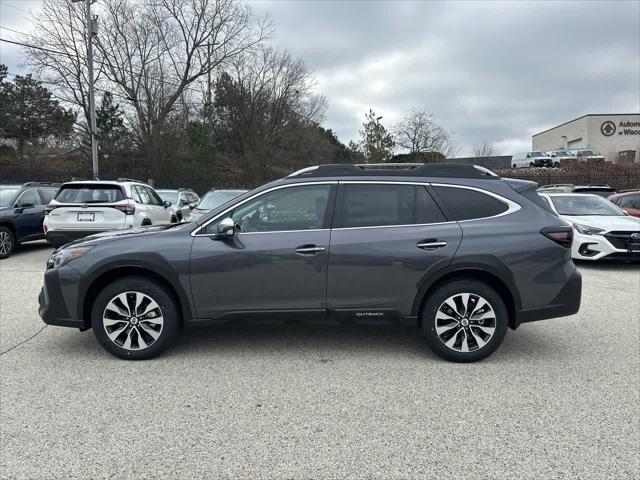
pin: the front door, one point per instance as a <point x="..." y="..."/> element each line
<point x="30" y="215"/>
<point x="276" y="263"/>
<point x="387" y="238"/>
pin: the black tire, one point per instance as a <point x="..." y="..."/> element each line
<point x="174" y="219"/>
<point x="556" y="165"/>
<point x="168" y="310"/>
<point x="514" y="166"/>
<point x="475" y="288"/>
<point x="7" y="242"/>
<point x="146" y="223"/>
<point x="531" y="165"/>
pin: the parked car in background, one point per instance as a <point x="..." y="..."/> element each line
<point x="587" y="155"/>
<point x="212" y="199"/>
<point x="602" y="230"/>
<point x="560" y="155"/>
<point x="83" y="208"/>
<point x="182" y="201"/>
<point x="603" y="190"/>
<point x="22" y="213"/>
<point x="453" y="249"/>
<point x="628" y="201"/>
<point x="531" y="159"/>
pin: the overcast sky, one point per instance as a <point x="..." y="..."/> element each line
<point x="489" y="71"/>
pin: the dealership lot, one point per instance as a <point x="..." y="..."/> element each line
<point x="558" y="400"/>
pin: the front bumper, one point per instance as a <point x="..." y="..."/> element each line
<point x="546" y="162"/>
<point x="565" y="303"/>
<point x="58" y="298"/>
<point x="596" y="247"/>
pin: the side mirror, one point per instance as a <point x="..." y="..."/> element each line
<point x="166" y="203"/>
<point x="226" y="228"/>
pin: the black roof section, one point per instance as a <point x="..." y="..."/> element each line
<point x="396" y="170"/>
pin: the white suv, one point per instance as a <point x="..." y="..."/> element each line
<point x="86" y="207"/>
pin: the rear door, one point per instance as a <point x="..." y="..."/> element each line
<point x="387" y="238"/>
<point x="158" y="212"/>
<point x="88" y="207"/>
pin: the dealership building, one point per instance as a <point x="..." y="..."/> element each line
<point x="616" y="136"/>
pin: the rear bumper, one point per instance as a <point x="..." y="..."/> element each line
<point x="58" y="238"/>
<point x="58" y="298"/>
<point x="566" y="303"/>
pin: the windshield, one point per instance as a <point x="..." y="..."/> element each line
<point x="7" y="194"/>
<point x="216" y="198"/>
<point x="576" y="205"/>
<point x="168" y="196"/>
<point x="89" y="193"/>
<point x="588" y="152"/>
<point x="538" y="154"/>
<point x="563" y="153"/>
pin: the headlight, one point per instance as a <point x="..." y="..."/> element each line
<point x="64" y="256"/>
<point x="587" y="230"/>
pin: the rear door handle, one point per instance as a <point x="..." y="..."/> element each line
<point x="430" y="244"/>
<point x="309" y="249"/>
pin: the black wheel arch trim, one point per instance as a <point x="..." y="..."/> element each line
<point x="481" y="265"/>
<point x="151" y="263"/>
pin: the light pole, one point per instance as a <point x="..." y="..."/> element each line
<point x="92" y="29"/>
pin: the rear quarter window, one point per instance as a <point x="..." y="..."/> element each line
<point x="466" y="204"/>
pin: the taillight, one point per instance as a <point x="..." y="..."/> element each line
<point x="128" y="209"/>
<point x="48" y="208"/>
<point x="561" y="235"/>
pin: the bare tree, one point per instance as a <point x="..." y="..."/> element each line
<point x="264" y="97"/>
<point x="485" y="150"/>
<point x="418" y="133"/>
<point x="60" y="28"/>
<point x="150" y="52"/>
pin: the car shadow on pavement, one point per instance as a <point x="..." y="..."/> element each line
<point x="30" y="247"/>
<point x="609" y="265"/>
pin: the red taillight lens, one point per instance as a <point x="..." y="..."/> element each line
<point x="561" y="235"/>
<point x="128" y="209"/>
<point x="48" y="208"/>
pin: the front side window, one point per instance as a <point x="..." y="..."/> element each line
<point x="466" y="204"/>
<point x="379" y="205"/>
<point x="29" y="198"/>
<point x="285" y="209"/>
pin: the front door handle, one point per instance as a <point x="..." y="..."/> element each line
<point x="309" y="249"/>
<point x="431" y="244"/>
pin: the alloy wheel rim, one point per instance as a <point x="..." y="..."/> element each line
<point x="465" y="322"/>
<point x="5" y="243"/>
<point x="133" y="320"/>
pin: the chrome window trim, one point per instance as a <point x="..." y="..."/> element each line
<point x="195" y="233"/>
<point x="512" y="206"/>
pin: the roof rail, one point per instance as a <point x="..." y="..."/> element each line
<point x="396" y="169"/>
<point x="125" y="179"/>
<point x="41" y="184"/>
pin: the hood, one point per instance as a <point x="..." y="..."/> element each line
<point x="607" y="223"/>
<point x="111" y="235"/>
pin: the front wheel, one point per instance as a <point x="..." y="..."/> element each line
<point x="464" y="320"/>
<point x="135" y="318"/>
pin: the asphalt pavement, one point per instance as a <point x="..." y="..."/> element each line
<point x="560" y="398"/>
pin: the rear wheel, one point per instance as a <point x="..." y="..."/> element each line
<point x="464" y="320"/>
<point x="514" y="166"/>
<point x="7" y="242"/>
<point x="531" y="165"/>
<point x="135" y="318"/>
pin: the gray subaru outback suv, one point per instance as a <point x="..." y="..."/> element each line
<point x="454" y="249"/>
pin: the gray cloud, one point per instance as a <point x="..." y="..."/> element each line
<point x="488" y="70"/>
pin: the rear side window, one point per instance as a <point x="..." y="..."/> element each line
<point x="88" y="193"/>
<point x="48" y="194"/>
<point x="373" y="205"/>
<point x="629" y="201"/>
<point x="466" y="204"/>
